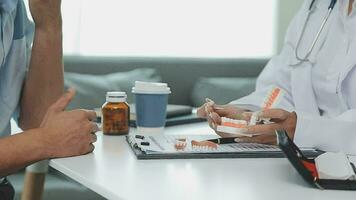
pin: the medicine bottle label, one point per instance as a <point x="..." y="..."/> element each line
<point x="115" y="121"/>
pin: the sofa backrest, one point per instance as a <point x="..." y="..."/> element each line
<point x="180" y="73"/>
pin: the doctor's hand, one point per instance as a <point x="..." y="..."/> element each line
<point x="213" y="114"/>
<point x="46" y="13"/>
<point x="281" y="120"/>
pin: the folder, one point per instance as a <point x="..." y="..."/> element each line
<point x="162" y="147"/>
<point x="306" y="166"/>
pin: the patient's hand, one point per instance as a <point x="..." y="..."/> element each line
<point x="67" y="133"/>
<point x="213" y="114"/>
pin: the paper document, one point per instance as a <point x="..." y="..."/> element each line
<point x="166" y="144"/>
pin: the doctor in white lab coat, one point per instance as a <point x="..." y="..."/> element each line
<point x="319" y="108"/>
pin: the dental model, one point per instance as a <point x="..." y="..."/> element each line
<point x="232" y="126"/>
<point x="180" y="144"/>
<point x="272" y="99"/>
<point x="204" y="145"/>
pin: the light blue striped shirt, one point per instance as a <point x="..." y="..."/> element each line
<point x="16" y="36"/>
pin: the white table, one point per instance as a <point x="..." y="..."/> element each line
<point x="114" y="172"/>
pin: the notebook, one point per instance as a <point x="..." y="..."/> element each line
<point x="163" y="147"/>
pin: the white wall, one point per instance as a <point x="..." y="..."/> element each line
<point x="286" y="10"/>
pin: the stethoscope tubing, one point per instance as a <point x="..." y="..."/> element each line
<point x="317" y="36"/>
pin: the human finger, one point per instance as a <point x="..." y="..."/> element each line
<point x="246" y="116"/>
<point x="227" y="135"/>
<point x="215" y="117"/>
<point x="94" y="127"/>
<point x="64" y="100"/>
<point x="204" y="110"/>
<point x="90" y="114"/>
<point x="201" y="112"/>
<point x="261" y="128"/>
<point x="260" y="139"/>
<point x="91" y="148"/>
<point x="209" y="107"/>
<point x="85" y="114"/>
<point x="211" y="123"/>
<point x="225" y="110"/>
<point x="276" y="114"/>
<point x="93" y="137"/>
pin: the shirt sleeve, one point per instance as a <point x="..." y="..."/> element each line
<point x="16" y="38"/>
<point x="327" y="134"/>
<point x="27" y="28"/>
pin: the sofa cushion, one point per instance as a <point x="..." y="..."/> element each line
<point x="91" y="89"/>
<point x="221" y="89"/>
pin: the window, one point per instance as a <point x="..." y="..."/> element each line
<point x="176" y="28"/>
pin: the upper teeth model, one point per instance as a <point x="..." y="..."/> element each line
<point x="232" y="126"/>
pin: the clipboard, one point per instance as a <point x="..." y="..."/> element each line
<point x="300" y="162"/>
<point x="243" y="150"/>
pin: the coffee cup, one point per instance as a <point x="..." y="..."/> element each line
<point x="151" y="105"/>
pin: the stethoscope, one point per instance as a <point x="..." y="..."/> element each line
<point x="326" y="18"/>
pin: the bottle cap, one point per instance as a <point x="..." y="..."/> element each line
<point x="116" y="97"/>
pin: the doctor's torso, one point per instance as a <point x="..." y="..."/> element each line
<point x="333" y="77"/>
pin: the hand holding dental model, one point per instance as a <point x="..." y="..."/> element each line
<point x="256" y="127"/>
<point x="265" y="133"/>
<point x="213" y="113"/>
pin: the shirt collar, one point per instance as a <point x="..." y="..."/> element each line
<point x="8" y="5"/>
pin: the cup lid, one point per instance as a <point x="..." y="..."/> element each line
<point x="151" y="88"/>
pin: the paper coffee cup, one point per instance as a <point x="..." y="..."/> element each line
<point x="151" y="104"/>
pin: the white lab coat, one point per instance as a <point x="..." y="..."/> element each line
<point x="331" y="133"/>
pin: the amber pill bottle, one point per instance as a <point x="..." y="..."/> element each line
<point x="115" y="114"/>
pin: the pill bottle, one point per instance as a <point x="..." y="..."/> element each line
<point x="115" y="114"/>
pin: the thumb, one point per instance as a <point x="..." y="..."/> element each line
<point x="64" y="100"/>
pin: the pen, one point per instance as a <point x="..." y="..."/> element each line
<point x="228" y="140"/>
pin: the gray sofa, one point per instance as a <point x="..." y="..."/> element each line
<point x="187" y="77"/>
<point x="190" y="79"/>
